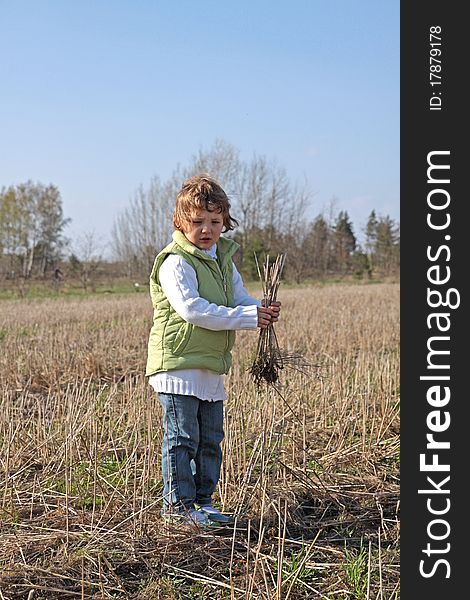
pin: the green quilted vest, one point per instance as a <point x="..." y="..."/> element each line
<point x="173" y="342"/>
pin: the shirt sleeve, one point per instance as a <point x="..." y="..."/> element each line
<point x="179" y="283"/>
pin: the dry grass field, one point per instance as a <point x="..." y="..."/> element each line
<point x="312" y="468"/>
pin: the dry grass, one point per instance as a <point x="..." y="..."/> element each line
<point x="312" y="470"/>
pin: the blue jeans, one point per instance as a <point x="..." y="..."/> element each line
<point x="191" y="452"/>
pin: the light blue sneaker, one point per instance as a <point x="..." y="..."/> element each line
<point x="214" y="515"/>
<point x="191" y="516"/>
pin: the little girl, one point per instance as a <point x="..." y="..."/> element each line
<point x="199" y="301"/>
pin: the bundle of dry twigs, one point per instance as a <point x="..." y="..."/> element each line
<point x="269" y="359"/>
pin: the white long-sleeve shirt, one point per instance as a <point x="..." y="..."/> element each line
<point x="179" y="283"/>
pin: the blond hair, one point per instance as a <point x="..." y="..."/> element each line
<point x="202" y="192"/>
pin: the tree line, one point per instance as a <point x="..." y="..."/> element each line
<point x="271" y="211"/>
<point x="270" y="208"/>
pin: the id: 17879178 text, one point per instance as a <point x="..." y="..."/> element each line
<point x="435" y="67"/>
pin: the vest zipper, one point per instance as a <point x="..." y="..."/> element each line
<point x="227" y="332"/>
<point x="224" y="281"/>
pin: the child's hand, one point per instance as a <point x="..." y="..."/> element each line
<point x="264" y="317"/>
<point x="268" y="315"/>
<point x="276" y="309"/>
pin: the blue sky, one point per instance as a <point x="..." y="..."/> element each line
<point x="98" y="97"/>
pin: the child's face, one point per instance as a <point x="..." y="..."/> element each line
<point x="204" y="228"/>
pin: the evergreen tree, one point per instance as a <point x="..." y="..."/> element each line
<point x="317" y="247"/>
<point x="370" y="241"/>
<point x="387" y="245"/>
<point x="344" y="242"/>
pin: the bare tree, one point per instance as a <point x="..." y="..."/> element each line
<point x="86" y="259"/>
<point x="222" y="161"/>
<point x="264" y="201"/>
<point x="145" y="226"/>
